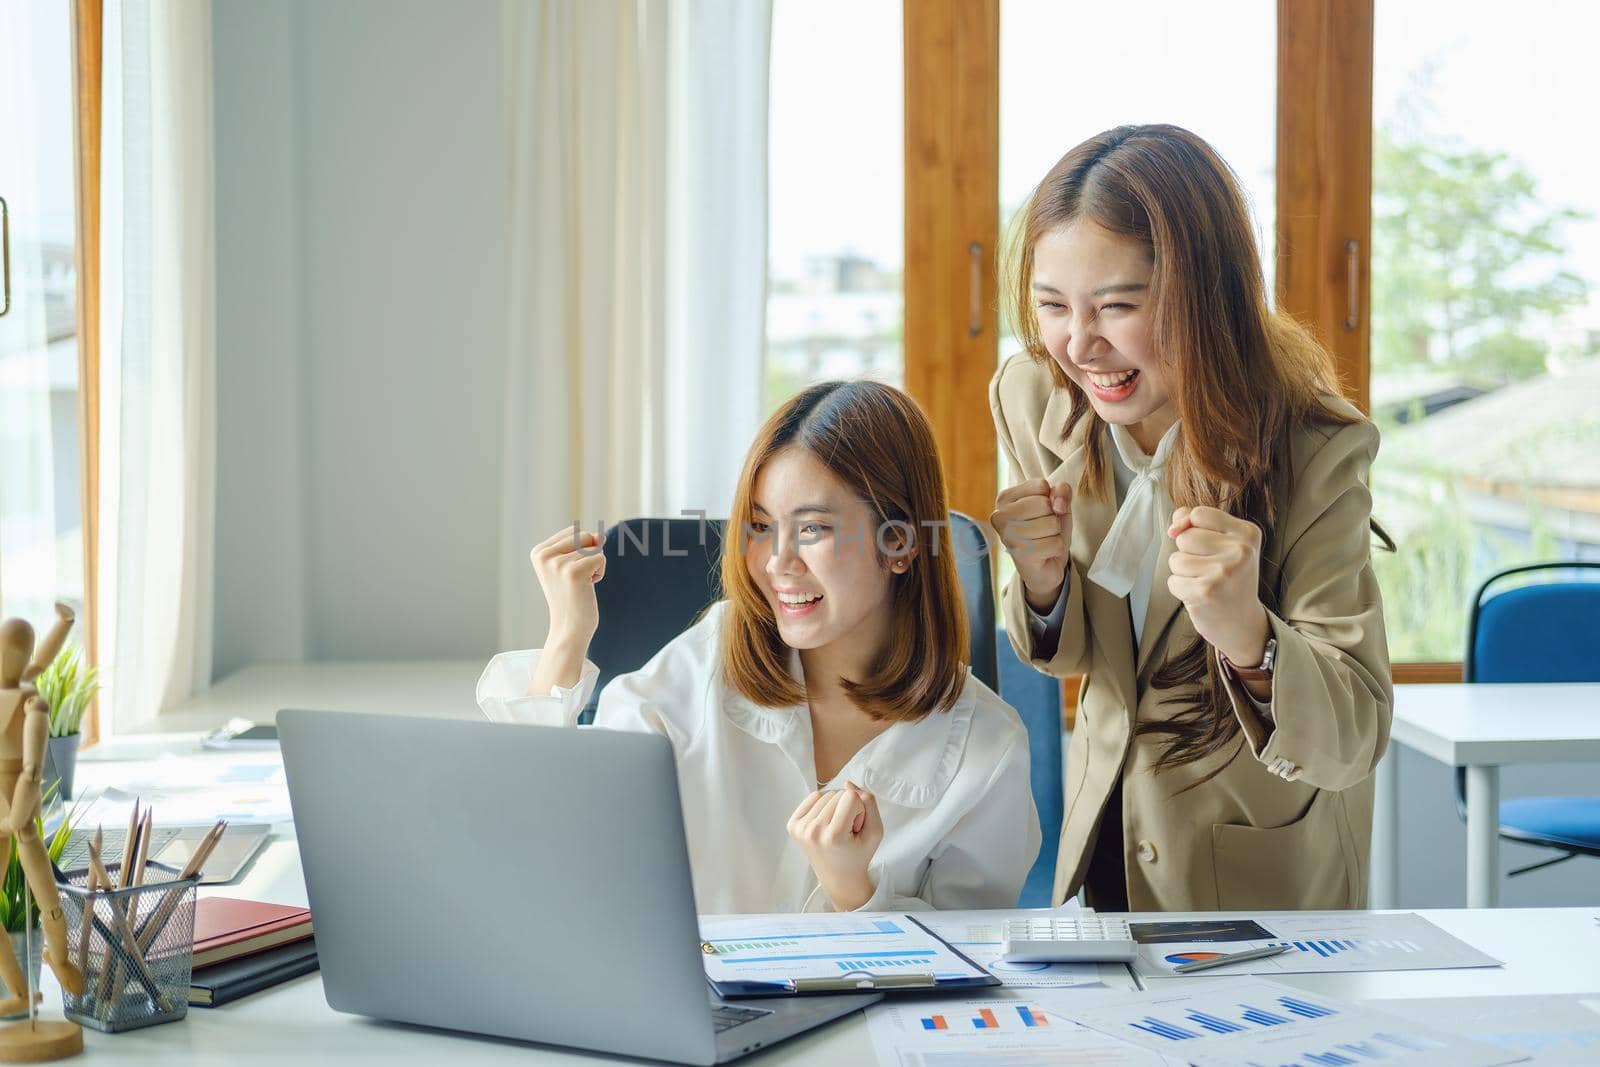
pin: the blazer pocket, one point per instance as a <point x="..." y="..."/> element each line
<point x="1307" y="863"/>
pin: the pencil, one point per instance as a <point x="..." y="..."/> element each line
<point x="128" y="845"/>
<point x="99" y="874"/>
<point x="152" y="927"/>
<point x="144" y="847"/>
<point x="86" y="926"/>
<point x="146" y="978"/>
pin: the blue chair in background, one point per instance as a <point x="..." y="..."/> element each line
<point x="1546" y="631"/>
<point x="971" y="547"/>
<point x="1037" y="698"/>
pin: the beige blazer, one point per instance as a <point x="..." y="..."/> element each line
<point x="1245" y="839"/>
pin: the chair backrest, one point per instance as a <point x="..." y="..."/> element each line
<point x="661" y="573"/>
<point x="973" y="567"/>
<point x="1037" y="698"/>
<point x="1546" y="631"/>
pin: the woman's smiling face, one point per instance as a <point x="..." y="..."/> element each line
<point x="1093" y="301"/>
<point x="813" y="553"/>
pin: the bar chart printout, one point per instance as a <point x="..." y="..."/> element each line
<point x="999" y="1029"/>
<point x="1257" y="1023"/>
<point x="1318" y="942"/>
<point x="771" y="950"/>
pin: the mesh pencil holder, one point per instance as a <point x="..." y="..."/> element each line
<point x="135" y="947"/>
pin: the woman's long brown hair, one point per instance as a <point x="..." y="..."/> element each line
<point x="877" y="441"/>
<point x="1242" y="374"/>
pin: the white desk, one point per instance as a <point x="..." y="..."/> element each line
<point x="1546" y="951"/>
<point x="442" y="688"/>
<point x="1479" y="727"/>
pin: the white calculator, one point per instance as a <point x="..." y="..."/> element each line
<point x="1068" y="939"/>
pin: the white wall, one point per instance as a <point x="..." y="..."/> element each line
<point x="260" y="529"/>
<point x="360" y="240"/>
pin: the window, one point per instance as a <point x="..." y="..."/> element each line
<point x="835" y="202"/>
<point x="1060" y="83"/>
<point x="1070" y="71"/>
<point x="1485" y="348"/>
<point x="41" y="527"/>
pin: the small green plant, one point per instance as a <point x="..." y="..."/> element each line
<point x="11" y="886"/>
<point x="68" y="685"/>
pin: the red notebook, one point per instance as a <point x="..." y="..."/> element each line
<point x="226" y="928"/>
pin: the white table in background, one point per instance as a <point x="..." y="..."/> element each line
<point x="1546" y="951"/>
<point x="1481" y="727"/>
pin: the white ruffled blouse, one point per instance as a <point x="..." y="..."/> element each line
<point x="960" y="828"/>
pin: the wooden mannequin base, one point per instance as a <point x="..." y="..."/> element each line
<point x="45" y="1039"/>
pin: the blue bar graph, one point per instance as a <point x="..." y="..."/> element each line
<point x="1155" y="1026"/>
<point x="1261" y="1018"/>
<point x="1329" y="1059"/>
<point x="874" y="961"/>
<point x="1326" y="947"/>
<point x="1214" y="1024"/>
<point x="1304" y="1009"/>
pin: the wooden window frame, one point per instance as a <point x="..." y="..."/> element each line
<point x="87" y="50"/>
<point x="1324" y="178"/>
<point x="952" y="222"/>
<point x="1323" y="226"/>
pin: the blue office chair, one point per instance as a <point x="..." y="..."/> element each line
<point x="1547" y="631"/>
<point x="661" y="573"/>
<point x="973" y="567"/>
<point x="1037" y="698"/>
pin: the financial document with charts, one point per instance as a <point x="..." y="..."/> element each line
<point x="1316" y="942"/>
<point x="1003" y="1029"/>
<point x="1251" y="1022"/>
<point x="741" y="953"/>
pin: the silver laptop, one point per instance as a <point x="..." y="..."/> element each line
<point x="520" y="881"/>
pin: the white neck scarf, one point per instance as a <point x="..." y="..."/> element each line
<point x="1142" y="520"/>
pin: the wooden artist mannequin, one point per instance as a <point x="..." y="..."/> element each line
<point x="24" y="733"/>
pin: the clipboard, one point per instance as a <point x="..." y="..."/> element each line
<point x="854" y="975"/>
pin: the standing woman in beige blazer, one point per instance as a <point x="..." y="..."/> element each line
<point x="1189" y="518"/>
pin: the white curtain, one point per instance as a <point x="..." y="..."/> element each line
<point x="158" y="357"/>
<point x="717" y="247"/>
<point x="637" y="268"/>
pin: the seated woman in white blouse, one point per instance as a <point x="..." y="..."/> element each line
<point x="833" y="750"/>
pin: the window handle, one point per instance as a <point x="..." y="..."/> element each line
<point x="5" y="256"/>
<point x="1352" y="284"/>
<point x="975" y="312"/>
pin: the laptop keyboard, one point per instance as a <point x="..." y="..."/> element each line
<point x="726" y="1016"/>
<point x="75" y="856"/>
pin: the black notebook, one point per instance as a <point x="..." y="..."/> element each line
<point x="222" y="982"/>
